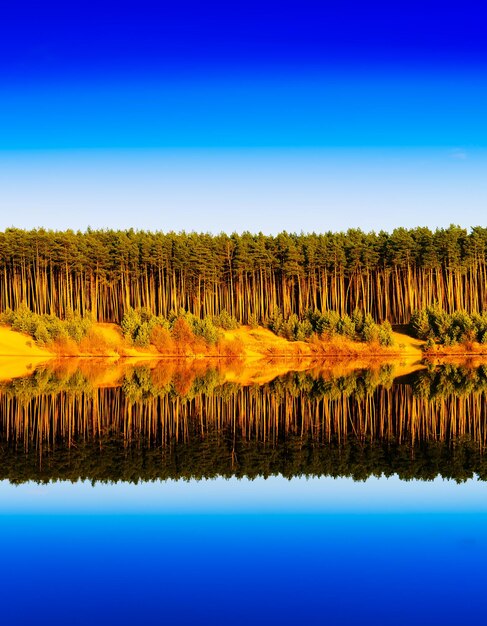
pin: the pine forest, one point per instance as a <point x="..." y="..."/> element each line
<point x="104" y="272"/>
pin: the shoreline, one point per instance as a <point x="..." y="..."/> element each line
<point x="261" y="356"/>
<point x="107" y="341"/>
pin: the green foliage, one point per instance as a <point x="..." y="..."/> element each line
<point x="275" y="322"/>
<point x="419" y="324"/>
<point x="131" y="323"/>
<point x="106" y="271"/>
<point x="47" y="328"/>
<point x="385" y="334"/>
<point x="41" y="333"/>
<point x="253" y="321"/>
<point x="370" y="330"/>
<point x="292" y="329"/>
<point x="77" y="326"/>
<point x="436" y="325"/>
<point x="326" y="323"/>
<point x="357" y="327"/>
<point x="205" y="329"/>
<point x="303" y="330"/>
<point x="358" y="320"/>
<point x="352" y="443"/>
<point x="346" y="327"/>
<point x="225" y="321"/>
<point x="138" y="324"/>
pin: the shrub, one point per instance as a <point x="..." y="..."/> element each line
<point x="303" y="330"/>
<point x="419" y="325"/>
<point x="346" y="327"/>
<point x="370" y="330"/>
<point x="205" y="329"/>
<point x="161" y="338"/>
<point x="77" y="327"/>
<point x="131" y="322"/>
<point x="385" y="334"/>
<point x="47" y="328"/>
<point x="182" y="334"/>
<point x="448" y="328"/>
<point x="276" y="322"/>
<point x="358" y="320"/>
<point x="142" y="336"/>
<point x="225" y="321"/>
<point x="253" y="321"/>
<point x="357" y="327"/>
<point x="41" y="334"/>
<point x="328" y="323"/>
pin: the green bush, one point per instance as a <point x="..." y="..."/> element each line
<point x="138" y="324"/>
<point x="253" y="321"/>
<point x="420" y="324"/>
<point x="225" y="321"/>
<point x="131" y="323"/>
<point x="328" y="323"/>
<point x="436" y="325"/>
<point x="358" y="327"/>
<point x="41" y="334"/>
<point x="358" y="320"/>
<point x="346" y="327"/>
<point x="46" y="328"/>
<point x="205" y="329"/>
<point x="276" y="322"/>
<point x="370" y="331"/>
<point x="385" y="334"/>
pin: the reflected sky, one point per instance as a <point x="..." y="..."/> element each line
<point x="367" y="557"/>
<point x="275" y="495"/>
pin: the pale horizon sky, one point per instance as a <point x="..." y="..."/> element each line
<point x="273" y="495"/>
<point x="230" y="190"/>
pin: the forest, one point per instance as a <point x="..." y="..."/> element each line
<point x="113" y="460"/>
<point x="106" y="272"/>
<point x="158" y="425"/>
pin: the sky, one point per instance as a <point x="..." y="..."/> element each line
<point x="275" y="496"/>
<point x="275" y="551"/>
<point x="260" y="116"/>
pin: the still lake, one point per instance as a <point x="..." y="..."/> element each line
<point x="169" y="493"/>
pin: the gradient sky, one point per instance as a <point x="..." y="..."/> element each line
<point x="243" y="116"/>
<point x="277" y="551"/>
<point x="275" y="495"/>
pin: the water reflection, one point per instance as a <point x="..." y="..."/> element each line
<point x="174" y="419"/>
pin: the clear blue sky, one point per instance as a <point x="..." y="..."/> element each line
<point x="243" y="116"/>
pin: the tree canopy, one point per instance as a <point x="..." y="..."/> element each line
<point x="249" y="275"/>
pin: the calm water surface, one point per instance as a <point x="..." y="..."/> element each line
<point x="175" y="495"/>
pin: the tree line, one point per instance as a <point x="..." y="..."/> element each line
<point x="112" y="459"/>
<point x="104" y="272"/>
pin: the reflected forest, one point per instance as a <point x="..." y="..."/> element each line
<point x="175" y="420"/>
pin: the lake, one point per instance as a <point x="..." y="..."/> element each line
<point x="204" y="493"/>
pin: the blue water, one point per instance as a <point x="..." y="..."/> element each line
<point x="354" y="567"/>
